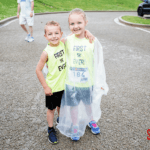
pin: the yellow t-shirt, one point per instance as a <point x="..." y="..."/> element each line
<point x="55" y="78"/>
<point x="80" y="61"/>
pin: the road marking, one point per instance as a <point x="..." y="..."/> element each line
<point x="8" y="23"/>
<point x="117" y="21"/>
<point x="143" y="30"/>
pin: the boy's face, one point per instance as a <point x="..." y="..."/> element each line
<point x="53" y="35"/>
<point x="77" y="24"/>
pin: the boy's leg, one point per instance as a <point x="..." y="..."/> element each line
<point x="51" y="131"/>
<point x="58" y="110"/>
<point x="22" y="22"/>
<point x="31" y="30"/>
<point x="30" y="22"/>
<point x="24" y="28"/>
<point x="50" y="117"/>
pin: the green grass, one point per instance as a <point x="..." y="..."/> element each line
<point x="8" y="8"/>
<point x="136" y="19"/>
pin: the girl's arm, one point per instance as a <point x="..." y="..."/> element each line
<point x="39" y="73"/>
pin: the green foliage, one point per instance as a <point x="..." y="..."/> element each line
<point x="136" y="19"/>
<point x="9" y="7"/>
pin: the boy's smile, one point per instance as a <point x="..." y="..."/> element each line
<point x="53" y="35"/>
<point x="77" y="25"/>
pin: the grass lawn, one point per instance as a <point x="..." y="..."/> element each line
<point x="136" y="19"/>
<point x="8" y="8"/>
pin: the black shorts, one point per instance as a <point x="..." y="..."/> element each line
<point x="53" y="100"/>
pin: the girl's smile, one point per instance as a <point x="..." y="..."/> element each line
<point x="77" y="25"/>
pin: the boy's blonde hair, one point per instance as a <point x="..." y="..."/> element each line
<point x="78" y="11"/>
<point x="52" y="23"/>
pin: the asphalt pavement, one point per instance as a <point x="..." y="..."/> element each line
<point x="125" y="110"/>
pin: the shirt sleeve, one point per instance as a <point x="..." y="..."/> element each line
<point x="31" y="0"/>
<point x="18" y="1"/>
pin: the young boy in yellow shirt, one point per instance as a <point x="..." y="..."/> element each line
<point x="54" y="56"/>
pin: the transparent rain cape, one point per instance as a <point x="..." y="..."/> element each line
<point x="85" y="75"/>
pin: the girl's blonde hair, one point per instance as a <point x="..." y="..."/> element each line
<point x="51" y="23"/>
<point x="78" y="11"/>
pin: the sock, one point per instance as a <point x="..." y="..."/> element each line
<point x="49" y="128"/>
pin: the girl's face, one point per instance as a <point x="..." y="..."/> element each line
<point x="77" y="24"/>
<point x="53" y="35"/>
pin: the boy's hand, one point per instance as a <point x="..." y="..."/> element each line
<point x="48" y="91"/>
<point x="102" y="88"/>
<point x="89" y="36"/>
<point x="17" y="15"/>
<point x="31" y="14"/>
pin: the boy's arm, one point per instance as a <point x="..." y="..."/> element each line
<point x="18" y="10"/>
<point x="89" y="36"/>
<point x="40" y="76"/>
<point x="32" y="6"/>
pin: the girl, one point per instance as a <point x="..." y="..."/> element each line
<point x="85" y="81"/>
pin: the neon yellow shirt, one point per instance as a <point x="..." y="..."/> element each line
<point x="55" y="78"/>
<point x="80" y="61"/>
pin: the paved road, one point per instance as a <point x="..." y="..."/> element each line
<point x="125" y="110"/>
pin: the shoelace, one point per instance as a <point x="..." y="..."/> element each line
<point x="52" y="132"/>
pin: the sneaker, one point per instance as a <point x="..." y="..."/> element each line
<point x="52" y="136"/>
<point x="27" y="38"/>
<point x="31" y="39"/>
<point x="75" y="134"/>
<point x="94" y="128"/>
<point x="57" y="120"/>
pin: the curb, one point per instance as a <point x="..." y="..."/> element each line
<point x="2" y="22"/>
<point x="7" y="20"/>
<point x="133" y="24"/>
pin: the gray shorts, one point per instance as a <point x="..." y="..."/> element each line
<point x="73" y="95"/>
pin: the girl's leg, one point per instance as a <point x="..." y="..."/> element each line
<point x="50" y="117"/>
<point x="74" y="114"/>
<point x="89" y="111"/>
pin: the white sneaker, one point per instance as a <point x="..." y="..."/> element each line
<point x="27" y="38"/>
<point x="31" y="39"/>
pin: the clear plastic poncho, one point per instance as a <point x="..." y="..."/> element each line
<point x="85" y="75"/>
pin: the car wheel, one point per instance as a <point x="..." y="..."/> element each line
<point x="140" y="12"/>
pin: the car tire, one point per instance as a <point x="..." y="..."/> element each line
<point x="140" y="12"/>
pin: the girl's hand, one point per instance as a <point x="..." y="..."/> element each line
<point x="102" y="88"/>
<point x="48" y="91"/>
<point x="89" y="36"/>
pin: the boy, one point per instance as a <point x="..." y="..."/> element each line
<point x="54" y="56"/>
<point x="26" y="16"/>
